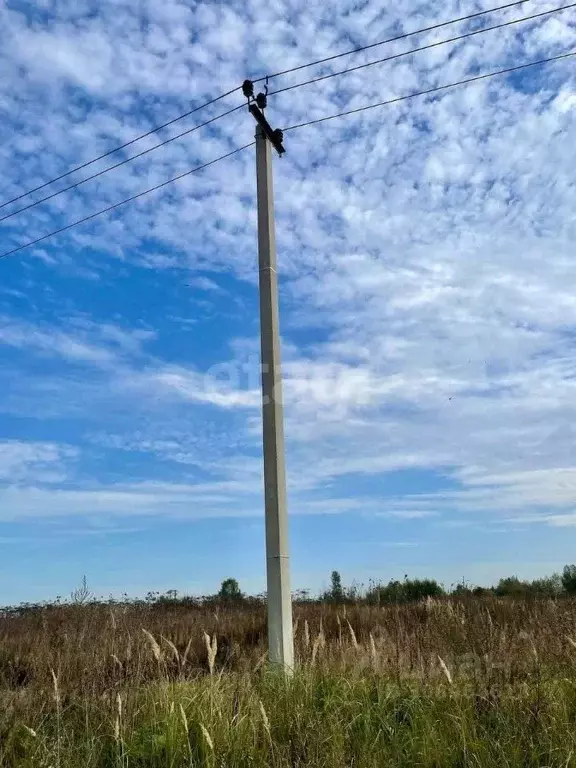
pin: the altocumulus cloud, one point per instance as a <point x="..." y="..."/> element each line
<point x="426" y="249"/>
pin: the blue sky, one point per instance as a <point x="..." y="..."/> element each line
<point x="427" y="270"/>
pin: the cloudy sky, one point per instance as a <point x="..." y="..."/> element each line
<point x="427" y="267"/>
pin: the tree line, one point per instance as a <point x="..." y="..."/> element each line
<point x="377" y="593"/>
<point x="411" y="590"/>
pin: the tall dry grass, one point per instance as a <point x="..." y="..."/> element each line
<point x="95" y="647"/>
<point x="472" y="682"/>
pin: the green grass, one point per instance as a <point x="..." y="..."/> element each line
<point x="318" y="718"/>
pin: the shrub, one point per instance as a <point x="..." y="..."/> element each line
<point x="230" y="591"/>
<point x="569" y="579"/>
<point x="407" y="591"/>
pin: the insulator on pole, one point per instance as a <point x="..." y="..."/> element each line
<point x="248" y="89"/>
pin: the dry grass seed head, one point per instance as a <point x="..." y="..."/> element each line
<point x="207" y="737"/>
<point x="264" y="716"/>
<point x="211" y="650"/>
<point x="321" y="635"/>
<point x="173" y="648"/>
<point x="445" y="669"/>
<point x="183" y="716"/>
<point x="154" y="647"/>
<point x="56" y="688"/>
<point x="186" y="652"/>
<point x="352" y="635"/>
<point x="373" y="649"/>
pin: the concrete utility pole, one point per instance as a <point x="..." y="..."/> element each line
<point x="279" y="599"/>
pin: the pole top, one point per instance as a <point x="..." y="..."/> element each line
<point x="275" y="136"/>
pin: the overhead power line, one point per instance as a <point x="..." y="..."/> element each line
<point x="123" y="202"/>
<point x="422" y="48"/>
<point x="428" y="91"/>
<point x="157" y="128"/>
<point x="122" y="162"/>
<point x="118" y="148"/>
<point x="272" y="93"/>
<point x="403" y="36"/>
<point x="406" y="97"/>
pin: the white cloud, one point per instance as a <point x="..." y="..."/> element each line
<point x="139" y="499"/>
<point x="205" y="284"/>
<point x="79" y="341"/>
<point x="409" y="514"/>
<point x="201" y="388"/>
<point x="426" y="250"/>
<point x="24" y="462"/>
<point x="53" y="344"/>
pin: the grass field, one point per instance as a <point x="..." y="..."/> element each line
<point x="475" y="682"/>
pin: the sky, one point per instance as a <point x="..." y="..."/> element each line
<point x="427" y="268"/>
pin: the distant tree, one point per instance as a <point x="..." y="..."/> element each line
<point x="409" y="590"/>
<point x="512" y="586"/>
<point x="548" y="586"/>
<point x="169" y="598"/>
<point x="81" y="594"/>
<point x="393" y="592"/>
<point x="569" y="579"/>
<point x="419" y="589"/>
<point x="462" y="590"/>
<point x="354" y="593"/>
<point x="230" y="591"/>
<point x="336" y="590"/>
<point x="336" y="593"/>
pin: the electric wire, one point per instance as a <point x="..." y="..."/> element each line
<point x="403" y="36"/>
<point x="272" y="93"/>
<point x="316" y="121"/>
<point x="117" y="165"/>
<point x="422" y="48"/>
<point x="118" y="148"/>
<point x="428" y="91"/>
<point x="157" y="128"/>
<point x="123" y="202"/>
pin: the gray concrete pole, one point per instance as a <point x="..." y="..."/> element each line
<point x="279" y="599"/>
